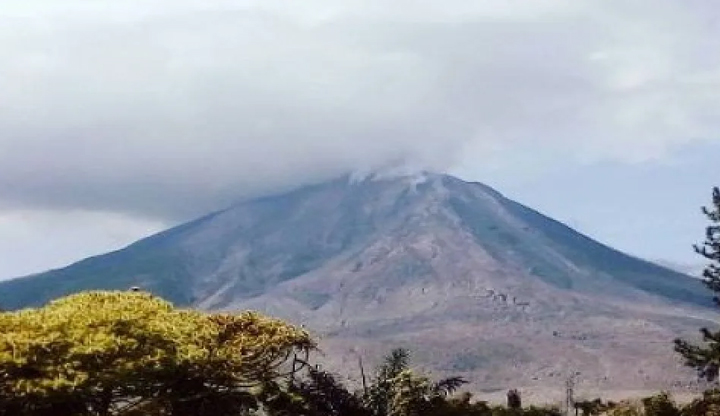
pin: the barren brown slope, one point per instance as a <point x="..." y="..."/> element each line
<point x="478" y="308"/>
<point x="476" y="284"/>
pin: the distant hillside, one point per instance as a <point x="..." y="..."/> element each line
<point x="483" y="285"/>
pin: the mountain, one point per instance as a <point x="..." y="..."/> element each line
<point x="473" y="282"/>
<point x="690" y="269"/>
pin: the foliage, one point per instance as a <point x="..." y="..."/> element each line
<point x="397" y="391"/>
<point x="660" y="405"/>
<point x="513" y="399"/>
<point x="393" y="390"/>
<point x="462" y="405"/>
<point x="110" y="352"/>
<point x="663" y="405"/>
<point x="706" y="358"/>
<point x="133" y="354"/>
<point x="627" y="408"/>
<point x="710" y="249"/>
<point x="323" y="394"/>
<point x="592" y="407"/>
<point x="707" y="405"/>
<point x="536" y="411"/>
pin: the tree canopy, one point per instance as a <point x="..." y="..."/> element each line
<point x="110" y="352"/>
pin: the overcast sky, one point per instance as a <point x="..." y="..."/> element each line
<point x="120" y="118"/>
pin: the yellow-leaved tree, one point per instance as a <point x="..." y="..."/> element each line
<point x="114" y="353"/>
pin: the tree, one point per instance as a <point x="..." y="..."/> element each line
<point x="660" y="405"/>
<point x="397" y="391"/>
<point x="591" y="407"/>
<point x="710" y="249"/>
<point x="513" y="399"/>
<point x="112" y="353"/>
<point x="706" y="358"/>
<point x="323" y="395"/>
<point x="707" y="405"/>
<point x="462" y="405"/>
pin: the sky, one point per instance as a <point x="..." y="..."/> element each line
<point x="121" y="118"/>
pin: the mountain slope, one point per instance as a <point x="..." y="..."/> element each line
<point x="487" y="287"/>
<point x="254" y="245"/>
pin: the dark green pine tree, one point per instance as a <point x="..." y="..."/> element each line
<point x="706" y="357"/>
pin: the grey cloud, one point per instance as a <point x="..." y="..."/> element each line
<point x="172" y="108"/>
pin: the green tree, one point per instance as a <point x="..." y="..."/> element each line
<point x="513" y="399"/>
<point x="707" y="405"/>
<point x="627" y="408"/>
<point x="462" y="405"/>
<point x="394" y="390"/>
<point x="660" y="405"/>
<point x="112" y="353"/>
<point x="321" y="394"/>
<point x="591" y="407"/>
<point x="706" y="357"/>
<point x="397" y="390"/>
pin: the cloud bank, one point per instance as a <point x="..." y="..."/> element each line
<point x="166" y="109"/>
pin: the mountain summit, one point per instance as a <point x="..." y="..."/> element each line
<point x="484" y="285"/>
<point x="423" y="227"/>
